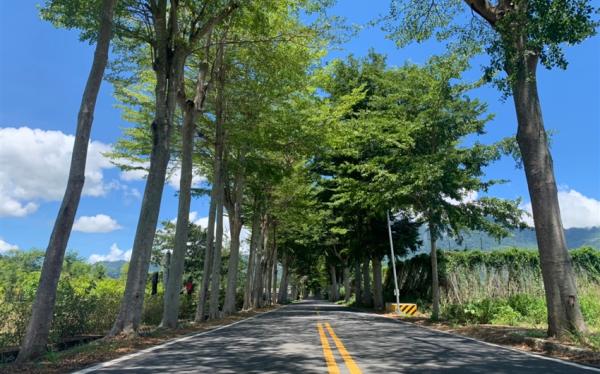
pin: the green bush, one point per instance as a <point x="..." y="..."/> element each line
<point x="480" y="311"/>
<point x="86" y="301"/>
<point x="503" y="286"/>
<point x="590" y="307"/>
<point x="531" y="308"/>
<point x="519" y="309"/>
<point x="506" y="315"/>
<point x="510" y="311"/>
<point x="472" y="275"/>
<point x="153" y="309"/>
<point x="12" y="323"/>
<point x="187" y="309"/>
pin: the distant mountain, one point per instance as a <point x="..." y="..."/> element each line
<point x="113" y="268"/>
<point x="576" y="237"/>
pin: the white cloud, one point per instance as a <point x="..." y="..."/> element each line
<point x="134" y="174"/>
<point x="467" y="197"/>
<point x="175" y="175"/>
<point x="34" y="166"/>
<point x="5" y="247"/>
<point x="10" y="207"/>
<point x="203" y="222"/>
<point x="95" y="224"/>
<point x="133" y="192"/>
<point x="128" y="191"/>
<point x="115" y="254"/>
<point x="244" y="234"/>
<point x="576" y="210"/>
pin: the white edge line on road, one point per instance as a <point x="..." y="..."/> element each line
<point x="106" y="364"/>
<point x="569" y="363"/>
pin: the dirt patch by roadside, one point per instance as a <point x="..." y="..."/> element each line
<point x="522" y="338"/>
<point x="108" y="349"/>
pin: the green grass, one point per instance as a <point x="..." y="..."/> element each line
<point x="523" y="310"/>
<point x="594" y="341"/>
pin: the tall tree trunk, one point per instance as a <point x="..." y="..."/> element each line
<point x="168" y="66"/>
<point x="171" y="297"/>
<point x="219" y="185"/>
<point x="347" y="289"/>
<point x="191" y="109"/>
<point x="166" y="265"/>
<point x="377" y="284"/>
<point x="294" y="291"/>
<point x="234" y="211"/>
<point x="269" y="283"/>
<point x="274" y="272"/>
<point x="258" y="281"/>
<point x="261" y="263"/>
<point x="333" y="294"/>
<point x="435" y="285"/>
<point x="270" y="270"/>
<point x="367" y="299"/>
<point x="208" y="253"/>
<point x="267" y="275"/>
<point x="357" y="283"/>
<point x="282" y="295"/>
<point x="235" y="226"/>
<point x="213" y="311"/>
<point x="254" y="240"/>
<point x="564" y="311"/>
<point x="38" y="328"/>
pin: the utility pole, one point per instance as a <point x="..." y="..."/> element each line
<point x="393" y="258"/>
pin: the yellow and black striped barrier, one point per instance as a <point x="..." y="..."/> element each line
<point x="406" y="308"/>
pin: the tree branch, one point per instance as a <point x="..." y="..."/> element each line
<point x="486" y="10"/>
<point x="207" y="27"/>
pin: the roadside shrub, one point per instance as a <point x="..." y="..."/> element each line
<point x="476" y="275"/>
<point x="153" y="309"/>
<point x="187" y="307"/>
<point x="532" y="309"/>
<point x="503" y="286"/>
<point x="13" y="323"/>
<point x="458" y="313"/>
<point x="506" y="315"/>
<point x="589" y="299"/>
<point x="518" y="309"/>
<point x="479" y="311"/>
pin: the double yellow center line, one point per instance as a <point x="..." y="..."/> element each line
<point x="332" y="367"/>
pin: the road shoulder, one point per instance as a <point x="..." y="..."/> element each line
<point x="105" y="352"/>
<point x="508" y="338"/>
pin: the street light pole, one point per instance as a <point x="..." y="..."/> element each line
<point x="393" y="258"/>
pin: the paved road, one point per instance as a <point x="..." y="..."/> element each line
<point x="320" y="337"/>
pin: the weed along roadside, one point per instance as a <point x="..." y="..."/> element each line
<point x="496" y="287"/>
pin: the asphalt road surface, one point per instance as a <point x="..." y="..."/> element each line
<point x="320" y="337"/>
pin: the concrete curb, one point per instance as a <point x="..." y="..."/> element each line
<point x="552" y="347"/>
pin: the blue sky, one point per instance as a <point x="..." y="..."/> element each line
<point x="43" y="71"/>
